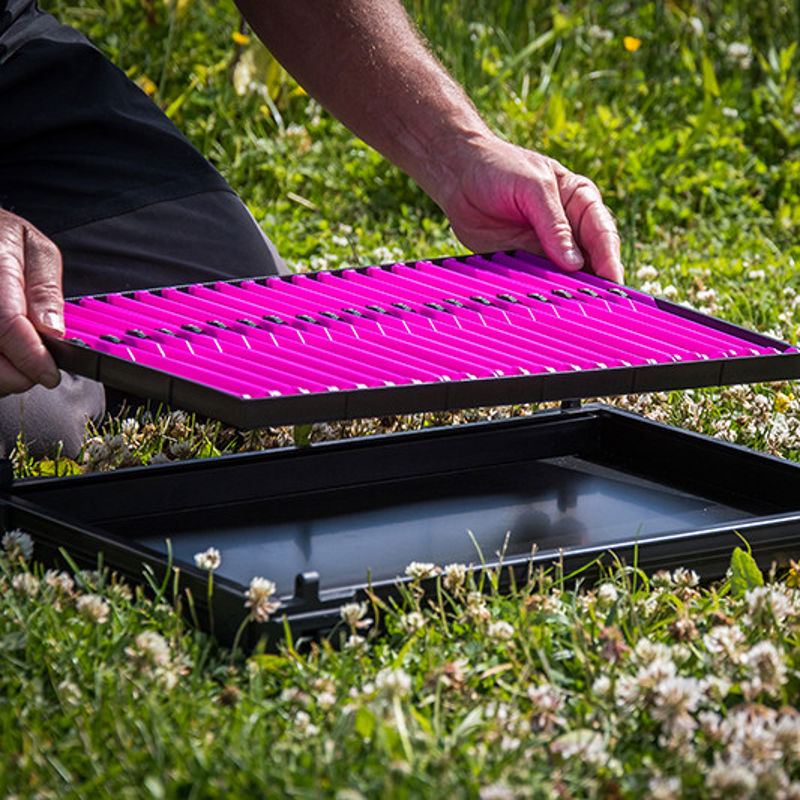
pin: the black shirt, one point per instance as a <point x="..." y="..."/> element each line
<point x="79" y="141"/>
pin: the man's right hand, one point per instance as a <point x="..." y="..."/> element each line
<point x="31" y="301"/>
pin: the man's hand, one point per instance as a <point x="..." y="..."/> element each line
<point x="30" y="301"/>
<point x="365" y="62"/>
<point x="500" y="196"/>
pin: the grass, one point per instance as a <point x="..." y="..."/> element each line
<point x="637" y="686"/>
<point x="634" y="687"/>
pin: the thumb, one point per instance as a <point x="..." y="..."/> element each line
<point x="43" y="293"/>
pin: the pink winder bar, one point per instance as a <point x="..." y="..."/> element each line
<point x="473" y="318"/>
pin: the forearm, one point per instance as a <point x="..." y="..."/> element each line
<point x="363" y="60"/>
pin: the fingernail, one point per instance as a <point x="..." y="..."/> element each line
<point x="50" y="379"/>
<point x="573" y="258"/>
<point x="54" y="321"/>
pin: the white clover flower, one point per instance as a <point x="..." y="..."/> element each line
<point x="765" y="602"/>
<point x="393" y="682"/>
<point x="731" y="780"/>
<point x="767" y="668"/>
<point x="258" y="599"/>
<point x="208" y="560"/>
<point x="353" y="615"/>
<point x="476" y="608"/>
<point x="710" y="724"/>
<point x="600" y="34"/>
<point x="607" y="594"/>
<point x="731" y="113"/>
<point x="683" y="577"/>
<point x="602" y="686"/>
<point x="740" y="54"/>
<point x="708" y="296"/>
<point x="303" y="724"/>
<point x="656" y="671"/>
<point x="18" y="544"/>
<point x="727" y="640"/>
<point x="675" y="697"/>
<point x="25" y="583"/>
<point x="340" y="241"/>
<point x="410" y="623"/>
<point x="652" y="287"/>
<point x="546" y="697"/>
<point x="417" y="570"/>
<point x="129" y="428"/>
<point x="626" y="692"/>
<point x="716" y="687"/>
<point x="150" y="650"/>
<point x="696" y="24"/>
<point x="454" y="576"/>
<point x="326" y="700"/>
<point x="500" y="631"/>
<point x="354" y="641"/>
<point x="664" y="788"/>
<point x="496" y="791"/>
<point x="647" y="273"/>
<point x="671" y="292"/>
<point x="787" y="735"/>
<point x="181" y="450"/>
<point x="119" y="593"/>
<point x="295" y="696"/>
<point x="59" y="581"/>
<point x="647" y="651"/>
<point x="584" y="745"/>
<point x="680" y="653"/>
<point x="383" y="255"/>
<point x="662" y="579"/>
<point x="509" y="743"/>
<point x="93" y="608"/>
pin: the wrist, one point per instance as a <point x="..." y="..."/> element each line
<point x="444" y="156"/>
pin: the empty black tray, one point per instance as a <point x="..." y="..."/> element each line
<point x="325" y="521"/>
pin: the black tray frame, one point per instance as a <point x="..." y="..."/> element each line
<point x="142" y="381"/>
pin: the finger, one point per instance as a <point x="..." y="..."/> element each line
<point x="593" y="226"/>
<point x="12" y="381"/>
<point x="19" y="341"/>
<point x="44" y="299"/>
<point x="548" y="218"/>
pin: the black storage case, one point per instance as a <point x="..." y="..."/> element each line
<point x="331" y="521"/>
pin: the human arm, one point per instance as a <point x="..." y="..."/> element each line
<point x="365" y="62"/>
<point x="30" y="302"/>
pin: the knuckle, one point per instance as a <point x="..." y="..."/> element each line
<point x="46" y="293"/>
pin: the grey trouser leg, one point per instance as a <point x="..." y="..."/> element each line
<point x="203" y="237"/>
<point x="46" y="417"/>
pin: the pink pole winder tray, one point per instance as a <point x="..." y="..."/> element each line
<point x="333" y="522"/>
<point x="421" y="336"/>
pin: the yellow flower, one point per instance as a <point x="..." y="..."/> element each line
<point x="793" y="576"/>
<point x="783" y="401"/>
<point x="146" y="85"/>
<point x="240" y="38"/>
<point x="632" y="44"/>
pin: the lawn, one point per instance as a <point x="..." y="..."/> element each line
<point x="687" y="116"/>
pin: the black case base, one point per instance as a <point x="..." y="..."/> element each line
<point x="328" y="521"/>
